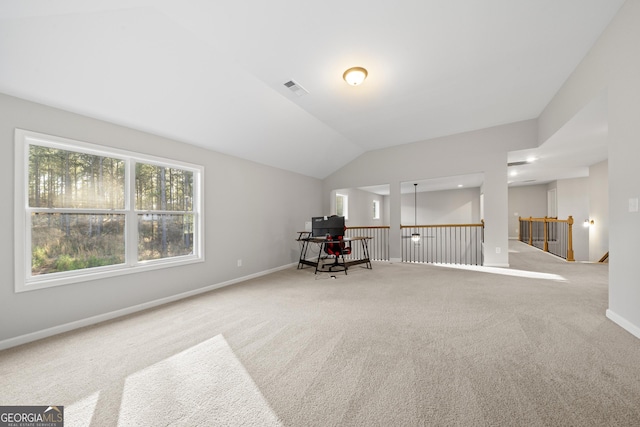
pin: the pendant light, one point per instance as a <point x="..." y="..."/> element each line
<point x="415" y="237"/>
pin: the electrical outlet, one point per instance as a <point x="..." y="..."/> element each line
<point x="498" y="250"/>
<point x="239" y="263"/>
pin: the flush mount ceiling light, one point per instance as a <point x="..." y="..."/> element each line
<point x="355" y="75"/>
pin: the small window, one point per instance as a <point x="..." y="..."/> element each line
<point x="84" y="211"/>
<point x="342" y="205"/>
<point x="376" y="209"/>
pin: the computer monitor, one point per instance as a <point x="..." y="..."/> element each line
<point x="323" y="225"/>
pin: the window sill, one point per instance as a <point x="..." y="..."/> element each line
<point x="98" y="273"/>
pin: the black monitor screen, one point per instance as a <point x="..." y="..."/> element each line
<point x="323" y="225"/>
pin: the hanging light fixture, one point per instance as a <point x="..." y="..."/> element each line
<point x="415" y="236"/>
<point x="355" y="75"/>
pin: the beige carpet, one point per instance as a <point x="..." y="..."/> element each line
<point x="203" y="385"/>
<point x="399" y="345"/>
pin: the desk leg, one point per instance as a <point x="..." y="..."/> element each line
<point x="365" y="249"/>
<point x="303" y="253"/>
<point x="319" y="256"/>
<point x="344" y="263"/>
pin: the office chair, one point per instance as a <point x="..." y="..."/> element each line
<point x="335" y="246"/>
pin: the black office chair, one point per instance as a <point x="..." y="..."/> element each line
<point x="337" y="247"/>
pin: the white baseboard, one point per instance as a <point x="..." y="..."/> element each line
<point x="624" y="323"/>
<point x="55" y="330"/>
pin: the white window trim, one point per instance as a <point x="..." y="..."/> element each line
<point x="24" y="281"/>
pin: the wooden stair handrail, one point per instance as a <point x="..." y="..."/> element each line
<point x="442" y="225"/>
<point x="545" y="221"/>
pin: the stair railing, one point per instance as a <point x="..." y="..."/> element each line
<point x="443" y="243"/>
<point x="549" y="234"/>
<point x="378" y="245"/>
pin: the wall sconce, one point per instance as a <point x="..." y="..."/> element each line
<point x="587" y="222"/>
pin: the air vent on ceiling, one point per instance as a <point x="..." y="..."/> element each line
<point x="518" y="163"/>
<point x="296" y="88"/>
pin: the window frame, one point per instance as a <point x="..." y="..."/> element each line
<point x="25" y="281"/>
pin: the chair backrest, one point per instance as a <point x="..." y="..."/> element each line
<point x="335" y="246"/>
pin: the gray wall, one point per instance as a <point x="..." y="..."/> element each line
<point x="613" y="64"/>
<point x="599" y="210"/>
<point x="251" y="213"/>
<point x="483" y="151"/>
<point x="573" y="200"/>
<point x="460" y="206"/>
<point x="526" y="201"/>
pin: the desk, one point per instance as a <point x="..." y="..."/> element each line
<point x="322" y="242"/>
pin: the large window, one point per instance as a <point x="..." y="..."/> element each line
<point x="85" y="211"/>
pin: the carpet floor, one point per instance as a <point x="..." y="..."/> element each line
<point x="399" y="345"/>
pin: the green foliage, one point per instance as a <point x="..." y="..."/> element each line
<point x="66" y="242"/>
<point x="65" y="263"/>
<point x="68" y="263"/>
<point x="39" y="257"/>
<point x="166" y="236"/>
<point x="71" y="242"/>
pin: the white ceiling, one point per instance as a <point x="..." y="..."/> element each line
<point x="212" y="73"/>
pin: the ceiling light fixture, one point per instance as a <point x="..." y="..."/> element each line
<point x="355" y="75"/>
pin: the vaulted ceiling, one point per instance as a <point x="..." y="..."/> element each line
<point x="212" y="73"/>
